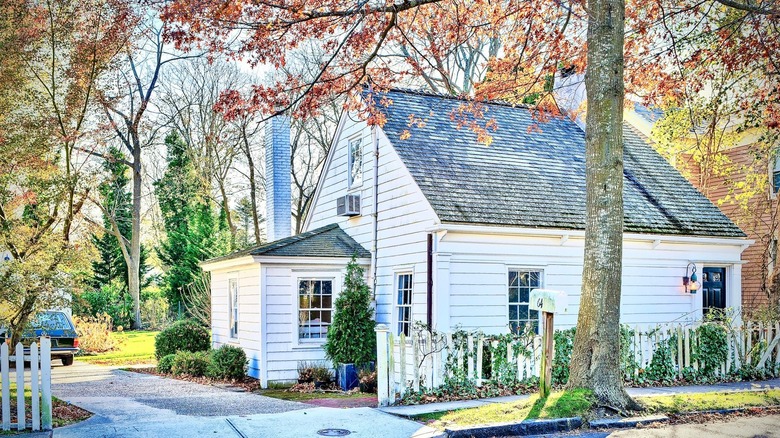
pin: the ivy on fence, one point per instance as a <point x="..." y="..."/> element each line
<point x="470" y="364"/>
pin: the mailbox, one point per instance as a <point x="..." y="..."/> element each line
<point x="546" y="300"/>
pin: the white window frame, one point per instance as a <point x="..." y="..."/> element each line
<point x="397" y="306"/>
<point x="542" y="282"/>
<point x="233" y="307"/>
<point x="774" y="167"/>
<point x="351" y="182"/>
<point x="335" y="278"/>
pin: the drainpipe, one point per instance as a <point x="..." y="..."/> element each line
<point x="375" y="249"/>
<point x="430" y="281"/>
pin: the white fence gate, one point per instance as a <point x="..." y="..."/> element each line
<point x="40" y="386"/>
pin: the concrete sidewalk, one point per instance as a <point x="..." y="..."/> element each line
<point x="414" y="410"/>
<point x="361" y="422"/>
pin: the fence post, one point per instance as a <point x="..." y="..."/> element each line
<point x="402" y="362"/>
<point x="21" y="418"/>
<point x="6" y="386"/>
<point x="470" y="357"/>
<point x="479" y="360"/>
<point x="382" y="375"/>
<point x="46" y="383"/>
<point x="35" y="387"/>
<point x="416" y="340"/>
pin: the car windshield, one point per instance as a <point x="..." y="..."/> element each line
<point x="51" y="321"/>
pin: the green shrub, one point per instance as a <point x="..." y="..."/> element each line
<point x="184" y="335"/>
<point x="351" y="336"/>
<point x="712" y="348"/>
<point x="111" y="299"/>
<point x="227" y="362"/>
<point x="165" y="364"/>
<point x="155" y="310"/>
<point x="661" y="368"/>
<point x="564" y="342"/>
<point x="189" y="363"/>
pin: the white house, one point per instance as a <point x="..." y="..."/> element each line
<point x="456" y="233"/>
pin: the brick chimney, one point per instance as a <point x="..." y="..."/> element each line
<point x="278" y="203"/>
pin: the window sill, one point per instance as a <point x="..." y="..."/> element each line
<point x="309" y="345"/>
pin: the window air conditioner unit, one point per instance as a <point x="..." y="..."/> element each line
<point x="348" y="205"/>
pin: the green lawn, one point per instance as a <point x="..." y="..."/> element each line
<point x="135" y="347"/>
<point x="578" y="403"/>
<point x="558" y="405"/>
<point x="675" y="404"/>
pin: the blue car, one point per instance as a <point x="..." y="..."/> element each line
<point x="58" y="326"/>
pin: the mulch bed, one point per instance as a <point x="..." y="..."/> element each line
<point x="63" y="414"/>
<point x="247" y="384"/>
<point x="710" y="417"/>
<point x="357" y="402"/>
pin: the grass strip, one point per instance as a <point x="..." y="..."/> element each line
<point x="559" y="404"/>
<point x="709" y="401"/>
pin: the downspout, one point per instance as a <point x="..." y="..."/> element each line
<point x="430" y="281"/>
<point x="376" y="210"/>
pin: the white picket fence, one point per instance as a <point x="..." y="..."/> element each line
<point x="40" y="385"/>
<point x="405" y="364"/>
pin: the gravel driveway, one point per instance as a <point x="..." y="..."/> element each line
<point x="134" y="405"/>
<point x="115" y="393"/>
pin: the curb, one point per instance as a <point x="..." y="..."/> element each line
<point x="526" y="427"/>
<point x="626" y="423"/>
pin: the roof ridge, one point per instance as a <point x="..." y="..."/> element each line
<point x="429" y="93"/>
<point x="289" y="240"/>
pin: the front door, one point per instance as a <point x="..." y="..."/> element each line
<point x="713" y="289"/>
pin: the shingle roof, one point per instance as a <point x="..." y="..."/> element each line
<point x="533" y="173"/>
<point x="327" y="241"/>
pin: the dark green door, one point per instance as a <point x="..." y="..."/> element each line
<point x="713" y="288"/>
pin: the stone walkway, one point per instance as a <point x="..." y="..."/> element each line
<point x="414" y="410"/>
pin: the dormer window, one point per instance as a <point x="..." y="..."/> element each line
<point x="355" y="167"/>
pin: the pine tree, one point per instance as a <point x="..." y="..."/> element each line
<point x="192" y="230"/>
<point x="116" y="197"/>
<point x="351" y="337"/>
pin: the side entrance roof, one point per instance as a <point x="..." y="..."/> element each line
<point x="329" y="241"/>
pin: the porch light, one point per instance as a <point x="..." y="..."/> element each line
<point x="691" y="283"/>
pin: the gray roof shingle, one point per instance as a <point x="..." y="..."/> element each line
<point x="327" y="241"/>
<point x="533" y="173"/>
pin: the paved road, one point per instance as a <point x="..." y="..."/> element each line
<point x="744" y="427"/>
<point x="129" y="404"/>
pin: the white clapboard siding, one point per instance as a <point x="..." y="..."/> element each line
<point x="404" y="215"/>
<point x="652" y="291"/>
<point x="40" y="368"/>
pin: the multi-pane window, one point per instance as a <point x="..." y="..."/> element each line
<point x="776" y="174"/>
<point x="233" y="300"/>
<point x="315" y="308"/>
<point x="521" y="282"/>
<point x="355" y="163"/>
<point x="404" y="303"/>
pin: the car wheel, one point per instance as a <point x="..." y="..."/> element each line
<point x="67" y="360"/>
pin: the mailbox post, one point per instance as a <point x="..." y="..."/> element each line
<point x="548" y="302"/>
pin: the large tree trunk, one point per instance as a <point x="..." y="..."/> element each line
<point x="595" y="362"/>
<point x="133" y="264"/>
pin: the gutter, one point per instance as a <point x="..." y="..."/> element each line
<point x="565" y="235"/>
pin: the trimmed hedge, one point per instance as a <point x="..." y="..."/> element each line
<point x="165" y="364"/>
<point x="227" y="362"/>
<point x="193" y="364"/>
<point x="184" y="335"/>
